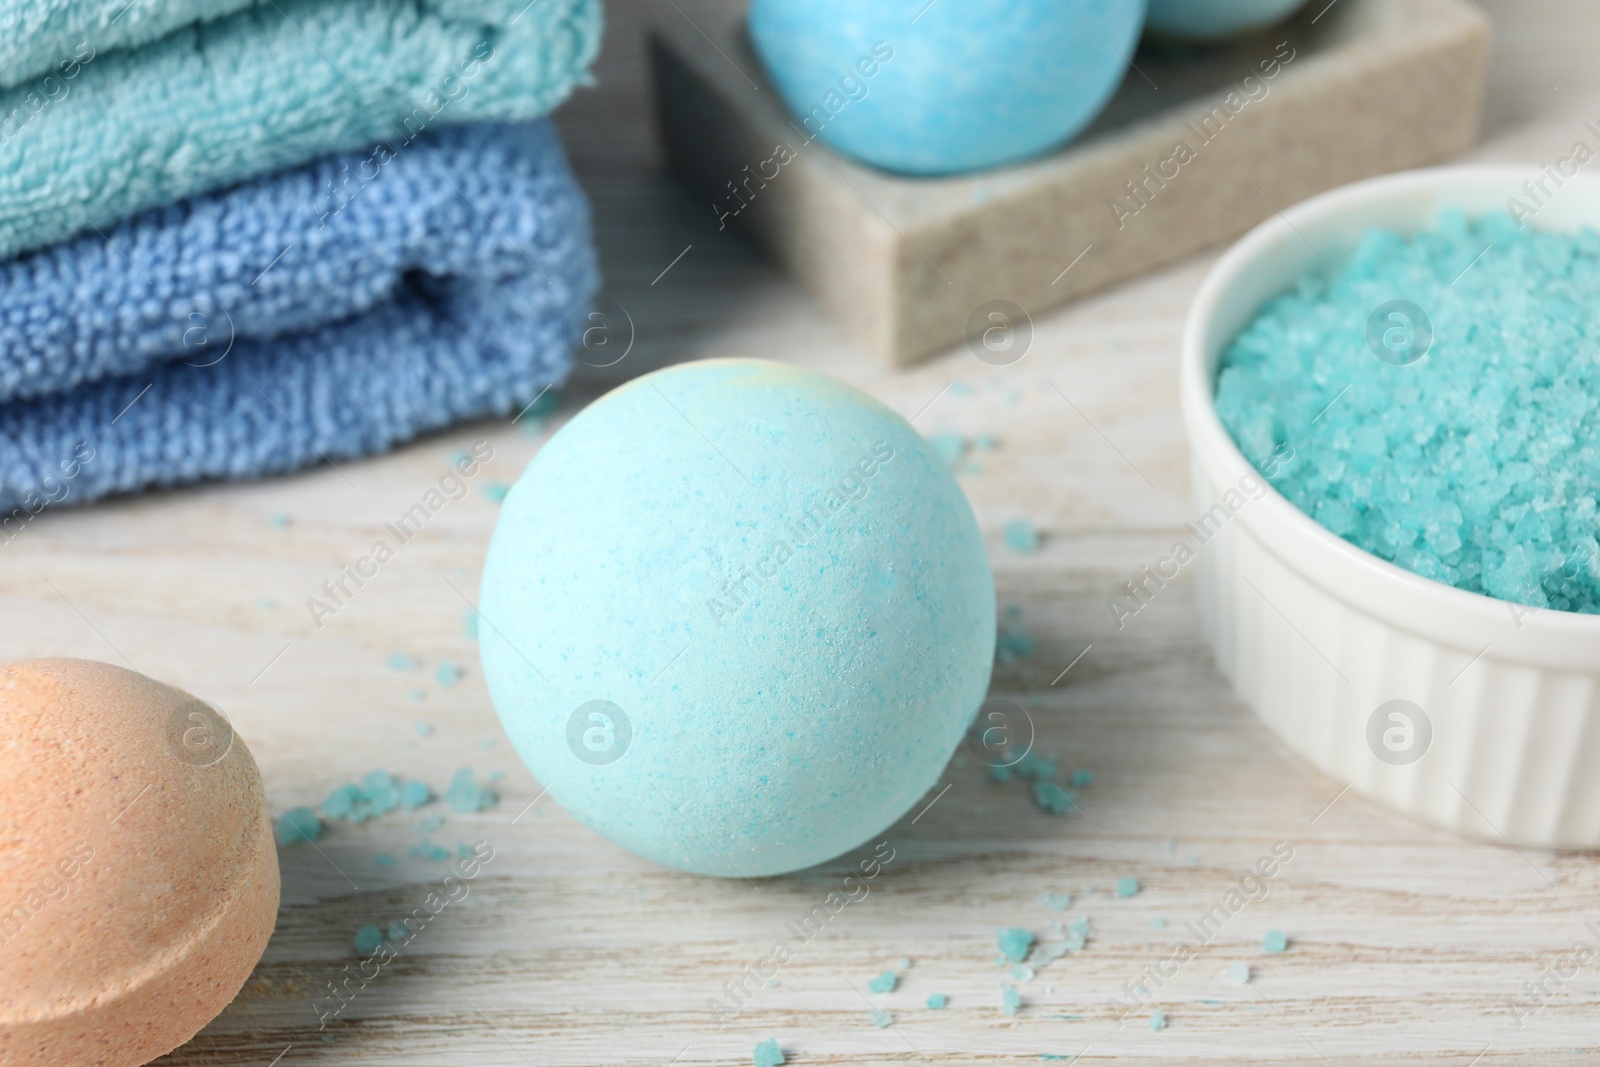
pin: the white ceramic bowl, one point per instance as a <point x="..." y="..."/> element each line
<point x="1501" y="736"/>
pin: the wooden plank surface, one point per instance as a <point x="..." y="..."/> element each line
<point x="1407" y="945"/>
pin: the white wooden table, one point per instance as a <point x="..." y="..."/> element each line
<point x="1407" y="944"/>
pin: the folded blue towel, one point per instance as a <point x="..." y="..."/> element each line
<point x="270" y="326"/>
<point x="115" y="106"/>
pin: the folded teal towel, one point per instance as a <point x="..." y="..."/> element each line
<point x="117" y="106"/>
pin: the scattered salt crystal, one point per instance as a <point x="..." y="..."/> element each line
<point x="368" y="938"/>
<point x="949" y="447"/>
<point x="1021" y="536"/>
<point x="1014" y="941"/>
<point x="299" y="824"/>
<point x="465" y="794"/>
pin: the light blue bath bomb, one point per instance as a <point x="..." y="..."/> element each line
<point x="1213" y="20"/>
<point x="736" y="617"/>
<point x="948" y="86"/>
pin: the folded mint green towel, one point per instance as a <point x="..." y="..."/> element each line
<point x="116" y="106"/>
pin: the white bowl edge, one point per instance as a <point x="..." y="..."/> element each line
<point x="1514" y="691"/>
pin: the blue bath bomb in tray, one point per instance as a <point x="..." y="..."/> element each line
<point x="947" y="86"/>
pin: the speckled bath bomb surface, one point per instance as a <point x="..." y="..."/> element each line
<point x="737" y="616"/>
<point x="138" y="877"/>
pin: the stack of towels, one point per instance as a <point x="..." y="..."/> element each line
<point x="239" y="237"/>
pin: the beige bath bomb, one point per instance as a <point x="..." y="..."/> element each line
<point x="138" y="875"/>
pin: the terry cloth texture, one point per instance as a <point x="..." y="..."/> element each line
<point x="255" y="330"/>
<point x="114" y="107"/>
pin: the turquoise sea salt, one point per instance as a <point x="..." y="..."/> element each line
<point x="1013" y="641"/>
<point x="949" y="446"/>
<point x="1021" y="536"/>
<point x="1055" y="901"/>
<point x="414" y="794"/>
<point x="1052" y="798"/>
<point x="368" y="938"/>
<point x="1044" y="955"/>
<point x="299" y="824"/>
<point x="465" y="794"/>
<point x="1014" y="941"/>
<point x="378" y="793"/>
<point x="1461" y="443"/>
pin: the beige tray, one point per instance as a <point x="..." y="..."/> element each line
<point x="912" y="266"/>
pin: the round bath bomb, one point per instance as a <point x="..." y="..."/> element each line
<point x="1214" y="20"/>
<point x="736" y="616"/>
<point x="138" y="878"/>
<point x="943" y="87"/>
